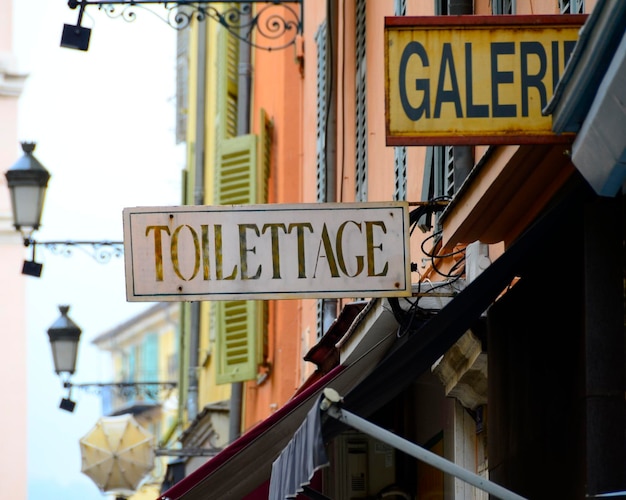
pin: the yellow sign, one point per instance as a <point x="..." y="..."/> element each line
<point x="474" y="79"/>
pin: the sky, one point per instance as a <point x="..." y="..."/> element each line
<point x="104" y="125"/>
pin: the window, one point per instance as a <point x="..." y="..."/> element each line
<point x="502" y="7"/>
<point x="441" y="7"/>
<point x="438" y="179"/>
<point x="400" y="7"/>
<point x="572" y="6"/>
<point x="399" y="193"/>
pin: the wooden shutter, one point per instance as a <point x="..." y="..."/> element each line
<point x="322" y="110"/>
<point x="447" y="160"/>
<point x="242" y="172"/>
<point x="239" y="322"/>
<point x="132" y="365"/>
<point x="361" y="104"/>
<point x="572" y="6"/>
<point x="150" y="365"/>
<point x="150" y="358"/>
<point x="428" y="188"/>
<point x="499" y="7"/>
<point x="240" y="340"/>
<point x="266" y="140"/>
<point x="182" y="84"/>
<point x="321" y="39"/>
<point x="236" y="173"/>
<point x="438" y="179"/>
<point x="228" y="84"/>
<point x="265" y="156"/>
<point x="399" y="192"/>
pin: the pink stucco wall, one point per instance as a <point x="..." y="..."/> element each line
<point x="13" y="377"/>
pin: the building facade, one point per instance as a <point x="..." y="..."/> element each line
<point x="508" y="358"/>
<point x="145" y="371"/>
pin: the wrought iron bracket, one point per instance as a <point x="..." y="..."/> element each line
<point x="187" y="452"/>
<point x="276" y="23"/>
<point x="101" y="251"/>
<point x="125" y="389"/>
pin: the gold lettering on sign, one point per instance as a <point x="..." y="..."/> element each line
<point x="300" y="235"/>
<point x="158" y="249"/>
<point x="275" y="247"/>
<point x="243" y="251"/>
<point x="202" y="248"/>
<point x="340" y="257"/>
<point x="369" y="232"/>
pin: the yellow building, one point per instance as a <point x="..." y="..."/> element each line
<point x="144" y="379"/>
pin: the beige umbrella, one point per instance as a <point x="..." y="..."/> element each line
<point x="117" y="454"/>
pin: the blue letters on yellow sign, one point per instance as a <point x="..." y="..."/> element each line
<point x="447" y="89"/>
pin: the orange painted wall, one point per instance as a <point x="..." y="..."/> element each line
<point x="286" y="87"/>
<point x="277" y="88"/>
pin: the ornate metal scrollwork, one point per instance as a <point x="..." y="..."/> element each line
<point x="101" y="251"/>
<point x="151" y="390"/>
<point x="276" y="24"/>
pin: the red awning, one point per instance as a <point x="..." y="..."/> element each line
<point x="247" y="461"/>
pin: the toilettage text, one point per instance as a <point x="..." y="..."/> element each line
<point x="265" y="251"/>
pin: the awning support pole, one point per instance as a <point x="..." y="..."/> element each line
<point x="330" y="405"/>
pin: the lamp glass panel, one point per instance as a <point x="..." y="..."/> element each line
<point x="27" y="205"/>
<point x="64" y="355"/>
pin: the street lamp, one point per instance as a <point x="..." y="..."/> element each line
<point x="64" y="336"/>
<point x="28" y="180"/>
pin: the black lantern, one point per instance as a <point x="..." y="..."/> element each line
<point x="64" y="336"/>
<point x="27" y="180"/>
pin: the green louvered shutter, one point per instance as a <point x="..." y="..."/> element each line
<point x="242" y="169"/>
<point x="240" y="323"/>
<point x="240" y="337"/>
<point x="239" y="180"/>
<point x="236" y="173"/>
<point x="265" y="164"/>
<point x="265" y="156"/>
<point x="228" y="84"/>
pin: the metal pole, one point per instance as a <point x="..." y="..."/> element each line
<point x="416" y="451"/>
<point x="198" y="199"/>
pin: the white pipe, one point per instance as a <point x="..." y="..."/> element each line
<point x="420" y="453"/>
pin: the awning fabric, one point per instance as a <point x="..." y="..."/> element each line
<point x="302" y="457"/>
<point x="244" y="464"/>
